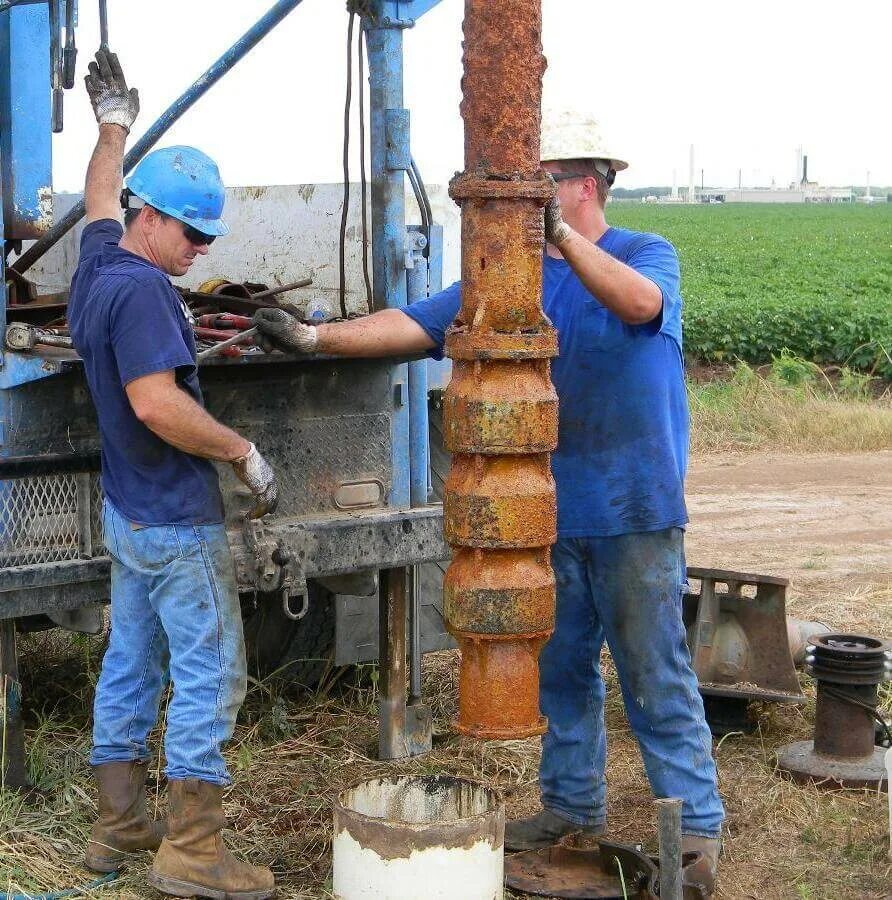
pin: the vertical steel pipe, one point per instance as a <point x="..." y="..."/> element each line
<point x="500" y="410"/>
<point x="390" y="158"/>
<point x="419" y="439"/>
<point x="669" y="832"/>
<point x="392" y="664"/>
<point x="13" y="775"/>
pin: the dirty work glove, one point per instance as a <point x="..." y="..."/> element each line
<point x="556" y="229"/>
<point x="113" y="103"/>
<point x="279" y="330"/>
<point x="254" y="471"/>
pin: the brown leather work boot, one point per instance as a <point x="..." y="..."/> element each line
<point x="701" y="873"/>
<point x="543" y="830"/>
<point x="123" y="825"/>
<point x="192" y="860"/>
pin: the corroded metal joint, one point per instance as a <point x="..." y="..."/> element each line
<point x="493" y="186"/>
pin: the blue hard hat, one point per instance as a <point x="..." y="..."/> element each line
<point x="184" y="183"/>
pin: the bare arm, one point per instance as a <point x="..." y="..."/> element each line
<point x="169" y="412"/>
<point x="389" y="332"/>
<point x="631" y="296"/>
<point x="102" y="191"/>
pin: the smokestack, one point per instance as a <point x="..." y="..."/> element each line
<point x="797" y="172"/>
<point x="867" y="191"/>
<point x="804" y="170"/>
<point x="674" y="184"/>
<point x="691" y="177"/>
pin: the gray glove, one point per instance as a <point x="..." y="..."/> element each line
<point x="556" y="229"/>
<point x="113" y="103"/>
<point x="254" y="471"/>
<point x="279" y="330"/>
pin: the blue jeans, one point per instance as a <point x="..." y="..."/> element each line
<point x="627" y="590"/>
<point x="174" y="604"/>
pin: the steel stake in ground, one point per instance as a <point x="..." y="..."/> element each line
<point x="500" y="410"/>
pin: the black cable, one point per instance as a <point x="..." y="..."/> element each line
<point x="362" y="174"/>
<point x="874" y="712"/>
<point x="342" y="261"/>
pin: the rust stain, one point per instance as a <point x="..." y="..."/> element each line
<point x="500" y="411"/>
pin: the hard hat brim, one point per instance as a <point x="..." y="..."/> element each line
<point x="215" y="227"/>
<point x="616" y="164"/>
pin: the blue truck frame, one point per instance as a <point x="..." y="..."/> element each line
<point x="51" y="557"/>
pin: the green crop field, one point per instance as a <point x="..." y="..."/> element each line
<point x="758" y="279"/>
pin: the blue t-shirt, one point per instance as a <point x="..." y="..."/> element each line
<point x="622" y="447"/>
<point x="127" y="321"/>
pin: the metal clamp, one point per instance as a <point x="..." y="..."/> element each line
<point x="414" y="248"/>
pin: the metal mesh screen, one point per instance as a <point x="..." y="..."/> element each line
<point x="49" y="518"/>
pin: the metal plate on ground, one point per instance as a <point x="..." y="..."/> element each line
<point x="802" y="764"/>
<point x="582" y="872"/>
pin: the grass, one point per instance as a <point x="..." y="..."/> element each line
<point x="291" y="757"/>
<point x="791" y="406"/>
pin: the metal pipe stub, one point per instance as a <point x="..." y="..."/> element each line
<point x="848" y="669"/>
<point x="500" y="410"/>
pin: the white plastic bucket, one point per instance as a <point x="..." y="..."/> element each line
<point x="404" y="838"/>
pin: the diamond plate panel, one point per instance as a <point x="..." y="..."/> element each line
<point x="314" y="457"/>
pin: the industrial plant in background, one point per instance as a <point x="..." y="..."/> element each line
<point x="799" y="190"/>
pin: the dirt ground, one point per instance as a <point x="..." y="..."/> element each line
<point x="824" y="522"/>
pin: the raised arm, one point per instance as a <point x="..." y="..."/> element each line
<point x="115" y="107"/>
<point x="628" y="294"/>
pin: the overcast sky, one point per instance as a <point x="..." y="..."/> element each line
<point x="746" y="83"/>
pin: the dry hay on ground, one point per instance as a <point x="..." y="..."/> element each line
<point x="291" y="757"/>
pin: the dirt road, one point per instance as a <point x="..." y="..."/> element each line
<point x="824" y="522"/>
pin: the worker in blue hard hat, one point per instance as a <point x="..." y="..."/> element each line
<point x="174" y="599"/>
<point x="614" y="298"/>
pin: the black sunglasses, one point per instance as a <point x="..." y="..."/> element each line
<point x="194" y="236"/>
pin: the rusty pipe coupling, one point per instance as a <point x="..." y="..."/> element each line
<point x="500" y="410"/>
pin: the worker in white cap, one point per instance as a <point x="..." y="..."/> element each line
<point x="614" y="298"/>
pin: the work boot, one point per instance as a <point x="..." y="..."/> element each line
<point x="543" y="830"/>
<point x="123" y="826"/>
<point x="192" y="860"/>
<point x="701" y="873"/>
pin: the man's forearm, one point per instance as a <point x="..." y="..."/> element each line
<point x="629" y="294"/>
<point x="388" y="332"/>
<point x="178" y="420"/>
<point x="102" y="190"/>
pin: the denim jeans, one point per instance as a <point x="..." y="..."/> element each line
<point x="174" y="608"/>
<point x="627" y="590"/>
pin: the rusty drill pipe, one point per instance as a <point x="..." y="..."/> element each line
<point x="500" y="410"/>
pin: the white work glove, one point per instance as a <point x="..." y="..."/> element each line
<point x="279" y="330"/>
<point x="254" y="471"/>
<point x="113" y="103"/>
<point x="556" y="229"/>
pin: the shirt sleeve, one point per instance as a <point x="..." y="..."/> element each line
<point x="146" y="331"/>
<point x="102" y="231"/>
<point x="435" y="314"/>
<point x="655" y="258"/>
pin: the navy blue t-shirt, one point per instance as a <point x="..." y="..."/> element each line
<point x="128" y="321"/>
<point x="622" y="450"/>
